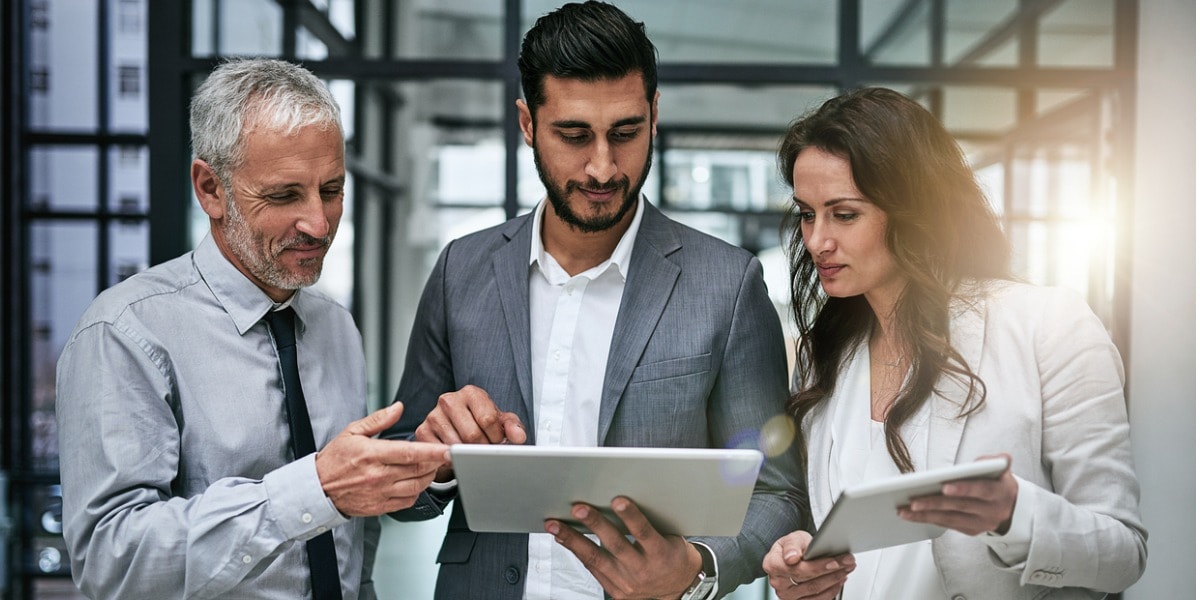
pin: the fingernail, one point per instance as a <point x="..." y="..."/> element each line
<point x="579" y="512"/>
<point x="790" y="555"/>
<point x="552" y="528"/>
<point x="831" y="565"/>
<point x="620" y="505"/>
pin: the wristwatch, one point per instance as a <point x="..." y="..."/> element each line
<point x="706" y="580"/>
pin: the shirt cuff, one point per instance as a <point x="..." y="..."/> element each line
<point x="297" y="502"/>
<point x="1012" y="548"/>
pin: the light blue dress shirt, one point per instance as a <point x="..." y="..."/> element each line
<point x="177" y="474"/>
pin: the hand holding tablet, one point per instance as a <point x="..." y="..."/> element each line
<point x="864" y="516"/>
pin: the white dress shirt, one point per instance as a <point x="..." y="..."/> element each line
<point x="571" y="326"/>
<point x="860" y="454"/>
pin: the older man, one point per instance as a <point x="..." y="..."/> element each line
<point x="192" y="397"/>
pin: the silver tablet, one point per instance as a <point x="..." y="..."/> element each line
<point x="683" y="491"/>
<point x="864" y="516"/>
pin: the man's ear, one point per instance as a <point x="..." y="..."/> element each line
<point x="526" y="119"/>
<point x="654" y="115"/>
<point x="209" y="190"/>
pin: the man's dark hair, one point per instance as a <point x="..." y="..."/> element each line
<point x="588" y="41"/>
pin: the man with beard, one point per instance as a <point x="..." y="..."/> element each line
<point x="192" y="397"/>
<point x="597" y="321"/>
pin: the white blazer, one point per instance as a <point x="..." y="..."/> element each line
<point x="1055" y="403"/>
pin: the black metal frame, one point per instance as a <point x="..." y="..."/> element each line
<point x="173" y="71"/>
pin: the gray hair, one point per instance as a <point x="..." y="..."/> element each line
<point x="244" y="93"/>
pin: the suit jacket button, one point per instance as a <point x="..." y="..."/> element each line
<point x="512" y="575"/>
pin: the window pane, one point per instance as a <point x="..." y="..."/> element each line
<point x="757" y="108"/>
<point x="63" y="68"/>
<point x="443" y="29"/>
<point x="128" y="83"/>
<point x="63" y="283"/>
<point x="129" y="249"/>
<point x="1077" y="33"/>
<point x="970" y="27"/>
<point x="748" y="31"/>
<point x="237" y="27"/>
<point x="128" y="180"/>
<point x="63" y="178"/>
<point x="895" y="33"/>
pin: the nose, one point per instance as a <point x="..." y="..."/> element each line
<point x="816" y="239"/>
<point x="311" y="218"/>
<point x="602" y="164"/>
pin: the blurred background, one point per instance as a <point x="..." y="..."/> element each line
<point x="1077" y="115"/>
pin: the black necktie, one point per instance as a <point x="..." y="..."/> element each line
<point x="322" y="559"/>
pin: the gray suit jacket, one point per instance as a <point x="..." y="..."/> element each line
<point x="697" y="360"/>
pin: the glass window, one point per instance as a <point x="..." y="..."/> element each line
<point x="896" y="33"/>
<point x="128" y="180"/>
<point x="129" y="81"/>
<point x="63" y="66"/>
<point x="749" y="31"/>
<point x="63" y="177"/>
<point x="241" y="27"/>
<point x="63" y="283"/>
<point x="971" y="27"/>
<point x="1077" y="33"/>
<point x="129" y="249"/>
<point x="441" y="29"/>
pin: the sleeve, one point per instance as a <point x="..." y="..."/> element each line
<point x="428" y="373"/>
<point x="747" y="406"/>
<point x="127" y="534"/>
<point x="1087" y="530"/>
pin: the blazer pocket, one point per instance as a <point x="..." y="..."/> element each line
<point x="675" y="367"/>
<point x="456" y="548"/>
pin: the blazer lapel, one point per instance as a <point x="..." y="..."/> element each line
<point x="967" y="318"/>
<point x="511" y="265"/>
<point x="651" y="279"/>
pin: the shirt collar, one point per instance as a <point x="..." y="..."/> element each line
<point x="620" y="257"/>
<point x="242" y="300"/>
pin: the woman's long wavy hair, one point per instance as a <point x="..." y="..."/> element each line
<point x="940" y="231"/>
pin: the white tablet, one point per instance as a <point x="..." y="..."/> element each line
<point x="864" y="516"/>
<point x="683" y="491"/>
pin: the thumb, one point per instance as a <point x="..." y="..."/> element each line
<point x="376" y="422"/>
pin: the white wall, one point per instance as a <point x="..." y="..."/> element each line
<point x="1162" y="373"/>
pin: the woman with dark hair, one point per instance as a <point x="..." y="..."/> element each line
<point x="917" y="350"/>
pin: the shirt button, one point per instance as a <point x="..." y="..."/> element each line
<point x="306" y="517"/>
<point x="322" y="529"/>
<point x="246" y="559"/>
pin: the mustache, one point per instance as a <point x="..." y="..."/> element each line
<point x="303" y="239"/>
<point x="594" y="185"/>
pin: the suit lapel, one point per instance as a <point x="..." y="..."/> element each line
<point x="946" y="425"/>
<point x="651" y="279"/>
<point x="511" y="265"/>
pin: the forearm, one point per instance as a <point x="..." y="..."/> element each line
<point x="136" y="544"/>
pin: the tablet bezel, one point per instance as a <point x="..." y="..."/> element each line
<point x="683" y="491"/>
<point x="864" y="516"/>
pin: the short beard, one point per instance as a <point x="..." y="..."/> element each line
<point x="263" y="263"/>
<point x="595" y="224"/>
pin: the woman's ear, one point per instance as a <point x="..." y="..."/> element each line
<point x="208" y="189"/>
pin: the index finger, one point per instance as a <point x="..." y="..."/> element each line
<point x="485" y="414"/>
<point x="398" y="452"/>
